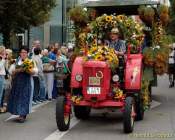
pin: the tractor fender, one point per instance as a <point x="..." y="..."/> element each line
<point x="133" y="72"/>
<point x="77" y="69"/>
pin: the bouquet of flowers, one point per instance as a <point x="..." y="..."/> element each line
<point x="27" y="65"/>
<point x="103" y="53"/>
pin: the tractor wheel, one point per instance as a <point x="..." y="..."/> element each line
<point x="128" y="115"/>
<point x="82" y="112"/>
<point x="139" y="109"/>
<point x="62" y="114"/>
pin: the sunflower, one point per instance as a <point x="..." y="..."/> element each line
<point x="93" y="49"/>
<point x="128" y="24"/>
<point x="99" y="57"/>
<point x="120" y="17"/>
<point x="100" y="24"/>
<point x="108" y="18"/>
<point x="100" y="51"/>
<point x="94" y="43"/>
<point x="109" y="58"/>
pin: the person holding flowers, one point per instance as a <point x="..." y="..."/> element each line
<point x="19" y="99"/>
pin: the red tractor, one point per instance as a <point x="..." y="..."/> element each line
<point x="93" y="81"/>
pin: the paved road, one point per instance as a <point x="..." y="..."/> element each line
<point x="158" y="122"/>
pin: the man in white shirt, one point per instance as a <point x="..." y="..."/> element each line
<point x="171" y="66"/>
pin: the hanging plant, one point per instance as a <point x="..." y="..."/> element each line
<point x="79" y="16"/>
<point x="141" y="10"/>
<point x="149" y="15"/>
<point x="146" y="14"/>
<point x="157" y="56"/>
<point x="163" y="9"/>
<point x="164" y="15"/>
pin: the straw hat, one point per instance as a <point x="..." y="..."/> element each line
<point x="115" y="31"/>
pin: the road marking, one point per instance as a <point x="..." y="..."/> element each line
<point x="155" y="104"/>
<point x="11" y="117"/>
<point x="34" y="109"/>
<point x="57" y="135"/>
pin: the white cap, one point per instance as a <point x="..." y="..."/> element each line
<point x="115" y="30"/>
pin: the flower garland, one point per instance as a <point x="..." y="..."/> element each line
<point x="145" y="94"/>
<point x="157" y="55"/>
<point x="130" y="29"/>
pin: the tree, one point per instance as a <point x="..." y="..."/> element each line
<point x="19" y="15"/>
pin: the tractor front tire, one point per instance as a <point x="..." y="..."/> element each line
<point x="128" y="115"/>
<point x="82" y="112"/>
<point x="62" y="117"/>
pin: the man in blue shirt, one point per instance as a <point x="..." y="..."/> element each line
<point x="52" y="54"/>
<point x="116" y="43"/>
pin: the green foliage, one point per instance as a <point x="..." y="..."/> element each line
<point x="19" y="15"/>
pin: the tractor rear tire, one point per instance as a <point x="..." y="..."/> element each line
<point x="139" y="109"/>
<point x="82" y="112"/>
<point x="128" y="118"/>
<point x="62" y="118"/>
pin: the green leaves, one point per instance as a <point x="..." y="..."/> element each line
<point x="19" y="15"/>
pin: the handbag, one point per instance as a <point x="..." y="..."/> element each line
<point x="47" y="67"/>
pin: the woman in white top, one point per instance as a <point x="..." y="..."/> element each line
<point x="2" y="72"/>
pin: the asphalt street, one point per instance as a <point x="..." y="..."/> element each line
<point x="159" y="122"/>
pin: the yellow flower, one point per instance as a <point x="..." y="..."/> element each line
<point x="109" y="58"/>
<point x="128" y="24"/>
<point x="99" y="57"/>
<point x="94" y="43"/>
<point x="100" y="23"/>
<point x="108" y="18"/>
<point x="100" y="51"/>
<point x="92" y="50"/>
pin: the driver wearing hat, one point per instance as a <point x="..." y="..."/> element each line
<point x="116" y="43"/>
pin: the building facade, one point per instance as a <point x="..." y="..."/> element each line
<point x="57" y="29"/>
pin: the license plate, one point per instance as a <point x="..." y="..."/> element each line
<point x="95" y="81"/>
<point x="93" y="90"/>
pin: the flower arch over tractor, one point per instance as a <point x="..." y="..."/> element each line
<point x="130" y="30"/>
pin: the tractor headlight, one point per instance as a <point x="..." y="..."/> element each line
<point x="78" y="77"/>
<point x="115" y="78"/>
